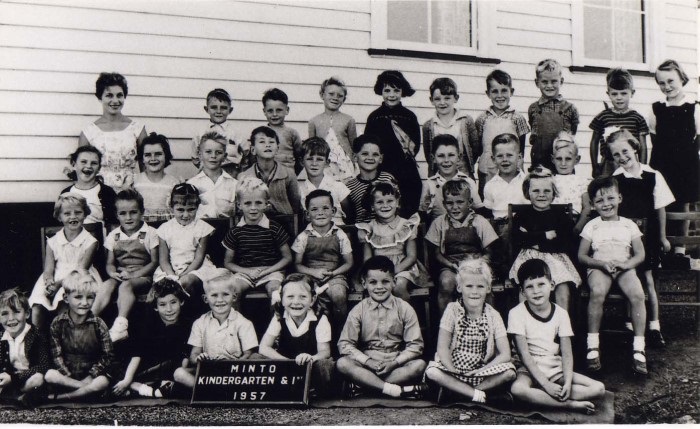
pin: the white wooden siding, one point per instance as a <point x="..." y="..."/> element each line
<point x="174" y="52"/>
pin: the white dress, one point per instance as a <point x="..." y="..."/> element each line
<point x="182" y="241"/>
<point x="119" y="164"/>
<point x="156" y="196"/>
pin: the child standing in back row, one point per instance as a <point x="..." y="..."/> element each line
<point x="276" y="108"/>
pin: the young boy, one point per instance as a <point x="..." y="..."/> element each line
<point x="446" y="156"/>
<point x="132" y="257"/>
<point x="498" y="119"/>
<point x="25" y="349"/>
<point x="280" y="180"/>
<point x="216" y="187"/>
<point x="381" y="343"/>
<point x="218" y="108"/>
<point x="459" y="234"/>
<point x="550" y="114"/>
<point x="368" y="155"/>
<point x="617" y="250"/>
<point x="314" y="154"/>
<point x="276" y="108"/>
<point x="323" y="251"/>
<point x="619" y="115"/>
<point x="257" y="248"/>
<point x="222" y="333"/>
<point x="450" y="120"/>
<point x="543" y="334"/>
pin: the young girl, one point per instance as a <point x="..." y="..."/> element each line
<point x="85" y="162"/>
<point x="154" y="184"/>
<point x="80" y="344"/>
<point x="674" y="125"/>
<point x="571" y="187"/>
<point x="543" y="233"/>
<point x="473" y="354"/>
<point x="217" y="188"/>
<point x="398" y="130"/>
<point x="394" y="237"/>
<point x="338" y="129"/>
<point x="71" y="248"/>
<point x="299" y="331"/>
<point x="114" y="134"/>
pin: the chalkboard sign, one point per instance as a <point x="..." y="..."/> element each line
<point x="255" y="381"/>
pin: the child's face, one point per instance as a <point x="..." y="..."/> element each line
<point x="168" y="308"/>
<point x="391" y="95"/>
<point x="624" y="154"/>
<point x="670" y="83"/>
<point x="541" y="192"/>
<point x="113" y="99"/>
<point x="474" y="289"/>
<point x="297" y="299"/>
<point x="606" y="202"/>
<point x="218" y="110"/>
<point x="129" y="215"/>
<point x="13" y="322"/>
<point x="184" y="213"/>
<point x="264" y="147"/>
<point x="537" y="291"/>
<point x="220" y="297"/>
<point x="314" y="165"/>
<point x="507" y="157"/>
<point x="499" y="95"/>
<point x="320" y="212"/>
<point x="458" y="206"/>
<point x="72" y="217"/>
<point x="379" y="285"/>
<point x="154" y="158"/>
<point x="253" y="205"/>
<point x="333" y="97"/>
<point x="212" y="154"/>
<point x="444" y="104"/>
<point x="565" y="160"/>
<point x="385" y="206"/>
<point x="620" y="98"/>
<point x="80" y="303"/>
<point x="549" y="83"/>
<point x="275" y="112"/>
<point x="87" y="165"/>
<point x="369" y="158"/>
<point x="446" y="158"/>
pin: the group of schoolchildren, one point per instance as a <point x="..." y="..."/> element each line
<point x="371" y="181"/>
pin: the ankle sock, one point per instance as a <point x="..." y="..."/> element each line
<point x="593" y="342"/>
<point x="638" y="345"/>
<point x="654" y="325"/>
<point x="391" y="390"/>
<point x="145" y="390"/>
<point x="479" y="396"/>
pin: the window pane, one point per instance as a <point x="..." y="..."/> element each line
<point x="407" y="21"/>
<point x="597" y="30"/>
<point x="629" y="41"/>
<point x="451" y="23"/>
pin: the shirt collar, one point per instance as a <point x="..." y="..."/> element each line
<point x="521" y="175"/>
<point x="389" y="303"/>
<point x="232" y="315"/>
<point x="279" y="173"/>
<point x="144" y="228"/>
<point x="643" y="168"/>
<point x="437" y="177"/>
<point x="264" y="222"/>
<point x="455" y="223"/>
<point x="224" y="176"/>
<point x="315" y="233"/>
<point x="509" y="109"/>
<point x="544" y="100"/>
<point x="310" y="317"/>
<point x="7" y="337"/>
<point x="458" y="115"/>
<point x="77" y="241"/>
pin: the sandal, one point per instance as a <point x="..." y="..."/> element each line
<point x="165" y="389"/>
<point x="593" y="364"/>
<point x="418" y="392"/>
<point x="638" y="366"/>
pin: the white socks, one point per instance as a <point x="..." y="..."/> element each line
<point x="654" y="325"/>
<point x="390" y="389"/>
<point x="479" y="396"/>
<point x="593" y="342"/>
<point x="638" y="345"/>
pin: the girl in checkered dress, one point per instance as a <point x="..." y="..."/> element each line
<point x="473" y="355"/>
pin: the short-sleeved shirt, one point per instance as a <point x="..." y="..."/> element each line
<point x="651" y="117"/>
<point x="323" y="327"/>
<point x="358" y="189"/>
<point x="490" y="124"/>
<point x="483" y="228"/>
<point x="150" y="241"/>
<point x="570" y="189"/>
<point x="256" y="245"/>
<point x="338" y="191"/>
<point x="299" y="245"/>
<point x="662" y="193"/>
<point x="237" y="145"/>
<point x="432" y="200"/>
<point x="93" y="201"/>
<point x="611" y="240"/>
<point x="218" y="198"/>
<point x="183" y="240"/>
<point x="570" y="116"/>
<point x="498" y="194"/>
<point x="630" y="120"/>
<point x="228" y="340"/>
<point x="454" y="311"/>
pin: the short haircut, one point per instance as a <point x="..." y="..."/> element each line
<point x="318" y="193"/>
<point x="73" y="157"/>
<point x="671" y="65"/>
<point x="393" y="78"/>
<point x="444" y="140"/>
<point x="266" y="131"/>
<point x="275" y="94"/>
<point x="219" y="94"/>
<point x="478" y="266"/>
<point x="223" y="278"/>
<point x="548" y="65"/>
<point x="506" y="138"/>
<point x="80" y="281"/>
<point x="213" y="136"/>
<point x="380" y="263"/>
<point x="456" y="187"/>
<point x="315" y="146"/>
<point x="70" y="198"/>
<point x="130" y="194"/>
<point x="302" y="279"/>
<point x="619" y="79"/>
<point x="499" y="76"/>
<point x="14" y="299"/>
<point x="533" y="269"/>
<point x="562" y="140"/>
<point x="333" y="80"/>
<point x="385" y="188"/>
<point x="165" y="287"/>
<point x="110" y="79"/>
<point x="445" y="85"/>
<point x="538" y="173"/>
<point x="251" y="184"/>
<point x="155" y="139"/>
<point x="621" y="135"/>
<point x="366" y="139"/>
<point x="602" y="183"/>
<point x="185" y="194"/>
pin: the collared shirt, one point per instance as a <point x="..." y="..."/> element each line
<point x="662" y="193"/>
<point x="227" y="340"/>
<point x="651" y="117"/>
<point x="432" y="200"/>
<point x="150" y="240"/>
<point x="18" y="356"/>
<point x="299" y="245"/>
<point x="611" y="240"/>
<point x="570" y="116"/>
<point x="323" y="328"/>
<point x="498" y="194"/>
<point x="290" y="141"/>
<point x="218" y="198"/>
<point x="237" y="143"/>
<point x="338" y="191"/>
<point x="489" y="125"/>
<point x="183" y="240"/>
<point x="66" y="334"/>
<point x="69" y="254"/>
<point x="283" y="188"/>
<point x="389" y="326"/>
<point x="256" y="245"/>
<point x="437" y="230"/>
<point x="452" y="127"/>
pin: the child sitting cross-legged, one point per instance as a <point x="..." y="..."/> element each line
<point x="473" y="354"/>
<point x="381" y="343"/>
<point x="543" y="334"/>
<point x="220" y="334"/>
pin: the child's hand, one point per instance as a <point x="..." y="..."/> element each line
<point x="116" y="276"/>
<point x="388" y="367"/>
<point x="550" y="235"/>
<point x="303" y="359"/>
<point x="565" y="391"/>
<point x="122" y="387"/>
<point x="318" y="273"/>
<point x="552" y="389"/>
<point x="48" y="280"/>
<point x="665" y="244"/>
<point x="374" y="365"/>
<point x="202" y="357"/>
<point x="611" y="268"/>
<point x="5" y="379"/>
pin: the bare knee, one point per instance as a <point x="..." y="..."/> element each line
<point x="345" y="365"/>
<point x="509" y="375"/>
<point x="52" y="376"/>
<point x="272" y="286"/>
<point x="98" y="384"/>
<point x="338" y="294"/>
<point x="34" y="381"/>
<point x="433" y="373"/>
<point x="126" y="286"/>
<point x="598" y="389"/>
<point x="181" y="375"/>
<point x="448" y="282"/>
<point x="416" y="366"/>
